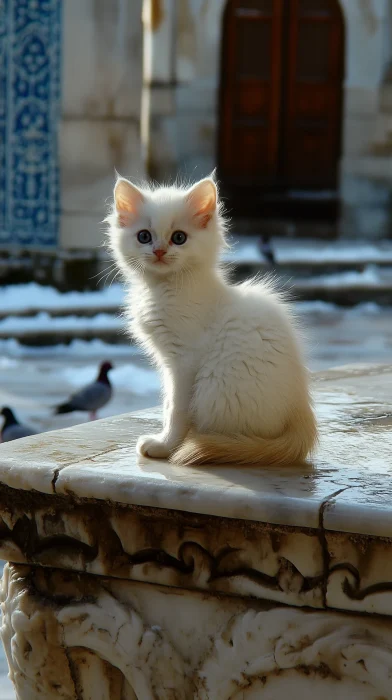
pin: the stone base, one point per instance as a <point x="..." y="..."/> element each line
<point x="135" y="579"/>
<point x="79" y="637"/>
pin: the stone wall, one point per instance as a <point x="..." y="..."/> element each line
<point x="101" y="99"/>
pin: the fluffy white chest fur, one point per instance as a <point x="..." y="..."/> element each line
<point x="234" y="384"/>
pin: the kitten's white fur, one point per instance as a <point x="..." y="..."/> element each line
<point x="234" y="383"/>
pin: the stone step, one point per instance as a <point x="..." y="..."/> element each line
<point x="296" y="260"/>
<point x="297" y="271"/>
<point x="43" y="329"/>
<point x="56" y="336"/>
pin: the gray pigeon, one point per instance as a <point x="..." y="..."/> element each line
<point x="92" y="397"/>
<point x="12" y="429"/>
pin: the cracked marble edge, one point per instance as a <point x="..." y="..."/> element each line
<point x="78" y="462"/>
<point x="81" y="478"/>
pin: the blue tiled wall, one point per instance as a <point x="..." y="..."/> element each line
<point x="30" y="57"/>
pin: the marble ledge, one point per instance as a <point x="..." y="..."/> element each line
<point x="348" y="488"/>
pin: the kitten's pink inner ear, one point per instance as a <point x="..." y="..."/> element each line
<point x="202" y="199"/>
<point x="127" y="199"/>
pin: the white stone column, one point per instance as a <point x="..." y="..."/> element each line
<point x="366" y="175"/>
<point x="101" y="104"/>
<point x="158" y="96"/>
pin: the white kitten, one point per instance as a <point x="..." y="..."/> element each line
<point x="235" y="387"/>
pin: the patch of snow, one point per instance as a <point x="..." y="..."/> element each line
<point x="365" y="308"/>
<point x="140" y="381"/>
<point x="7" y="363"/>
<point x="245" y="249"/>
<point x="39" y="296"/>
<point x="242" y="251"/>
<point x="315" y="307"/>
<point x="371" y="276"/>
<point x="43" y="322"/>
<point x="35" y="297"/>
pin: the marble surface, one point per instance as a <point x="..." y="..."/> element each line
<point x="348" y="487"/>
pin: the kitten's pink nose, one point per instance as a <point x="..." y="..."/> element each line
<point x="160" y="253"/>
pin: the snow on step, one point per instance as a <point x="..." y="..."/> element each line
<point x="371" y="277"/>
<point x="43" y="324"/>
<point x="33" y="298"/>
<point x="289" y="251"/>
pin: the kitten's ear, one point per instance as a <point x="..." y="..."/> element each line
<point x="127" y="199"/>
<point x="202" y="200"/>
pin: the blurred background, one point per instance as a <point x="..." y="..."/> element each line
<point x="291" y="101"/>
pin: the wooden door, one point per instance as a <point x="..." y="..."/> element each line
<point x="250" y="97"/>
<point x="312" y="95"/>
<point x="281" y="94"/>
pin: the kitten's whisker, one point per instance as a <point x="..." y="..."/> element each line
<point x="105" y="276"/>
<point x="109" y="267"/>
<point x="115" y="277"/>
<point x="107" y="281"/>
<point x="104" y="272"/>
<point x="137" y="266"/>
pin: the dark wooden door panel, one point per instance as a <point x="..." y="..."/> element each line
<point x="250" y="103"/>
<point x="313" y="94"/>
<point x="251" y="148"/>
<point x="281" y="94"/>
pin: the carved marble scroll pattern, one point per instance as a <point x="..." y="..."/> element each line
<point x="117" y="634"/>
<point x="38" y="636"/>
<point x="41" y="636"/>
<point x="191" y="552"/>
<point x="257" y="645"/>
<point x="185" y="551"/>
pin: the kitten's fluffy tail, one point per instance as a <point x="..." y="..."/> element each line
<point x="296" y="443"/>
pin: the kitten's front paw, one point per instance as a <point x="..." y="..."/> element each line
<point x="152" y="446"/>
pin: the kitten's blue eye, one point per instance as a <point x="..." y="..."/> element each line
<point x="179" y="237"/>
<point x="144" y="236"/>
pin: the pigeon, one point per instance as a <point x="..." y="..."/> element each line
<point x="92" y="397"/>
<point x="266" y="249"/>
<point x="12" y="429"/>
